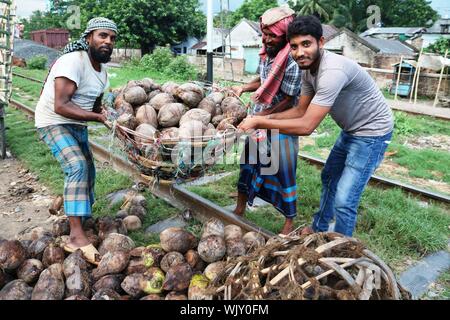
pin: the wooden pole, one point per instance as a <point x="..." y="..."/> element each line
<point x="398" y="77"/>
<point x="440" y="80"/>
<point x="415" y="75"/>
<point x="417" y="84"/>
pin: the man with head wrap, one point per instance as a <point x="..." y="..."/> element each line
<point x="70" y="97"/>
<point x="276" y="89"/>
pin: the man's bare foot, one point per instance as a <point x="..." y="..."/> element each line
<point x="287" y="227"/>
<point x="239" y="211"/>
<point x="78" y="241"/>
<point x="306" y="231"/>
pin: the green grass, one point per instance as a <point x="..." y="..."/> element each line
<point x="391" y="222"/>
<point x="31" y="73"/>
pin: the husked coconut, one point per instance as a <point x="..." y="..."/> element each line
<point x="170" y="87"/>
<point x="52" y="254"/>
<point x="110" y="281"/>
<point x="198" y="288"/>
<point x="116" y="242"/>
<point x="214" y="269"/>
<point x="12" y="254"/>
<point x="138" y="210"/>
<point x="30" y="270"/>
<point x="106" y="294"/>
<point x="50" y="285"/>
<point x="213" y="227"/>
<point x="135" y="96"/>
<point x="177" y="239"/>
<point x="178" y="277"/>
<point x="122" y="214"/>
<point x="127" y="120"/>
<point x="37" y="247"/>
<point x="152" y="255"/>
<point x="169" y="133"/>
<point x="191" y="130"/>
<point x="145" y="133"/>
<point x="139" y="200"/>
<point x="79" y="284"/>
<point x="170" y="114"/>
<point x="149" y="85"/>
<point x="111" y="263"/>
<point x="136" y="265"/>
<point x="153" y="281"/>
<point x="196" y="115"/>
<point x="193" y="259"/>
<point x="232" y="231"/>
<point x="231" y="104"/>
<point x="161" y="100"/>
<point x="226" y="124"/>
<point x="217" y="97"/>
<point x="151" y="297"/>
<point x="174" y="295"/>
<point x="133" y="285"/>
<point x="235" y="247"/>
<point x="74" y="263"/>
<point x="77" y="297"/>
<point x="5" y="278"/>
<point x="253" y="240"/>
<point x="171" y="259"/>
<point x="132" y="223"/>
<point x="107" y="225"/>
<point x="208" y="105"/>
<point x="217" y="119"/>
<point x="218" y="111"/>
<point x="152" y="94"/>
<point x="190" y="93"/>
<point x="125" y="107"/>
<point x="119" y="100"/>
<point x="147" y="114"/>
<point x="92" y="237"/>
<point x="16" y="290"/>
<point x="211" y="248"/>
<point x="61" y="227"/>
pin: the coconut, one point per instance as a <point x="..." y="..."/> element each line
<point x="52" y="254"/>
<point x="151" y="297"/>
<point x="107" y="225"/>
<point x="50" y="285"/>
<point x="214" y="269"/>
<point x="253" y="240"/>
<point x="226" y="124"/>
<point x="190" y="93"/>
<point x="153" y="255"/>
<point x="145" y="133"/>
<point x="135" y="96"/>
<point x="111" y="281"/>
<point x="12" y="254"/>
<point x="149" y="85"/>
<point x="137" y="252"/>
<point x="116" y="242"/>
<point x="133" y="284"/>
<point x="161" y="100"/>
<point x="136" y="265"/>
<point x="170" y="87"/>
<point x="231" y="104"/>
<point x="106" y="294"/>
<point x="217" y="97"/>
<point x="77" y="297"/>
<point x="208" y="105"/>
<point x="122" y="214"/>
<point x="191" y="129"/>
<point x="218" y="111"/>
<point x="178" y="277"/>
<point x="169" y="133"/>
<point x="235" y="247"/>
<point x="213" y="227"/>
<point x="125" y="108"/>
<point x="147" y="114"/>
<point x="173" y="295"/>
<point x="217" y="119"/>
<point x="139" y="200"/>
<point x="232" y="231"/>
<point x="5" y="278"/>
<point x="138" y="210"/>
<point x="127" y="120"/>
<point x="74" y="263"/>
<point x="78" y="283"/>
<point x="153" y="281"/>
<point x="170" y="114"/>
<point x="61" y="227"/>
<point x="16" y="290"/>
<point x="171" y="259"/>
<point x="132" y="223"/>
<point x="177" y="239"/>
<point x="30" y="270"/>
<point x="152" y="94"/>
<point x="210" y="132"/>
<point x="198" y="288"/>
<point x="196" y="114"/>
<point x="118" y="101"/>
<point x="92" y="237"/>
<point x="26" y="244"/>
<point x="193" y="259"/>
<point x="112" y="262"/>
<point x="211" y="248"/>
<point x="37" y="247"/>
<point x="89" y="223"/>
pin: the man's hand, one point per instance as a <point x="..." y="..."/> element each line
<point x="101" y="117"/>
<point x="249" y="123"/>
<point x="237" y="90"/>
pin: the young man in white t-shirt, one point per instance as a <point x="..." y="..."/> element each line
<point x="72" y="96"/>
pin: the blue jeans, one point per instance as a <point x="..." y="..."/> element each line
<point x="347" y="171"/>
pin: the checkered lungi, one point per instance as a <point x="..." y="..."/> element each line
<point x="69" y="144"/>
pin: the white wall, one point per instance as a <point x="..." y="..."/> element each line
<point x="242" y="35"/>
<point x="351" y="49"/>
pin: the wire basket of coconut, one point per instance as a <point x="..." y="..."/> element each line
<point x="174" y="132"/>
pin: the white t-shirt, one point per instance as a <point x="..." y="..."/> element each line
<point x="77" y="67"/>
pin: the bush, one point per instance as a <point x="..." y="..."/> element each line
<point x="158" y="60"/>
<point x="180" y="68"/>
<point x="37" y="62"/>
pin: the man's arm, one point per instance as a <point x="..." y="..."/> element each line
<point x="64" y="90"/>
<point x="279" y="107"/>
<point x="249" y="87"/>
<point x="98" y="104"/>
<point x="297" y="112"/>
<point x="296" y="126"/>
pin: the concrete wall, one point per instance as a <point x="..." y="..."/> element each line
<point x="242" y="35"/>
<point x="428" y="82"/>
<point x="351" y="49"/>
<point x="221" y="69"/>
<point x="385" y="61"/>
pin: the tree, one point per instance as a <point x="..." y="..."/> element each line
<point x="252" y="10"/>
<point x="440" y="46"/>
<point x="223" y="19"/>
<point x="320" y="8"/>
<point x="146" y="23"/>
<point x="41" y="20"/>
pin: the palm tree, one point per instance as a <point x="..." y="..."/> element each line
<point x="320" y="8"/>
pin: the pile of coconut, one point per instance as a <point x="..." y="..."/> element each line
<point x="173" y="111"/>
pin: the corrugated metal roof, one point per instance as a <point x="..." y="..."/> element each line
<point x="329" y="31"/>
<point x="392" y="30"/>
<point x="390" y="46"/>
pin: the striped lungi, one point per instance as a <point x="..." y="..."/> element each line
<point x="280" y="188"/>
<point x="69" y="145"/>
